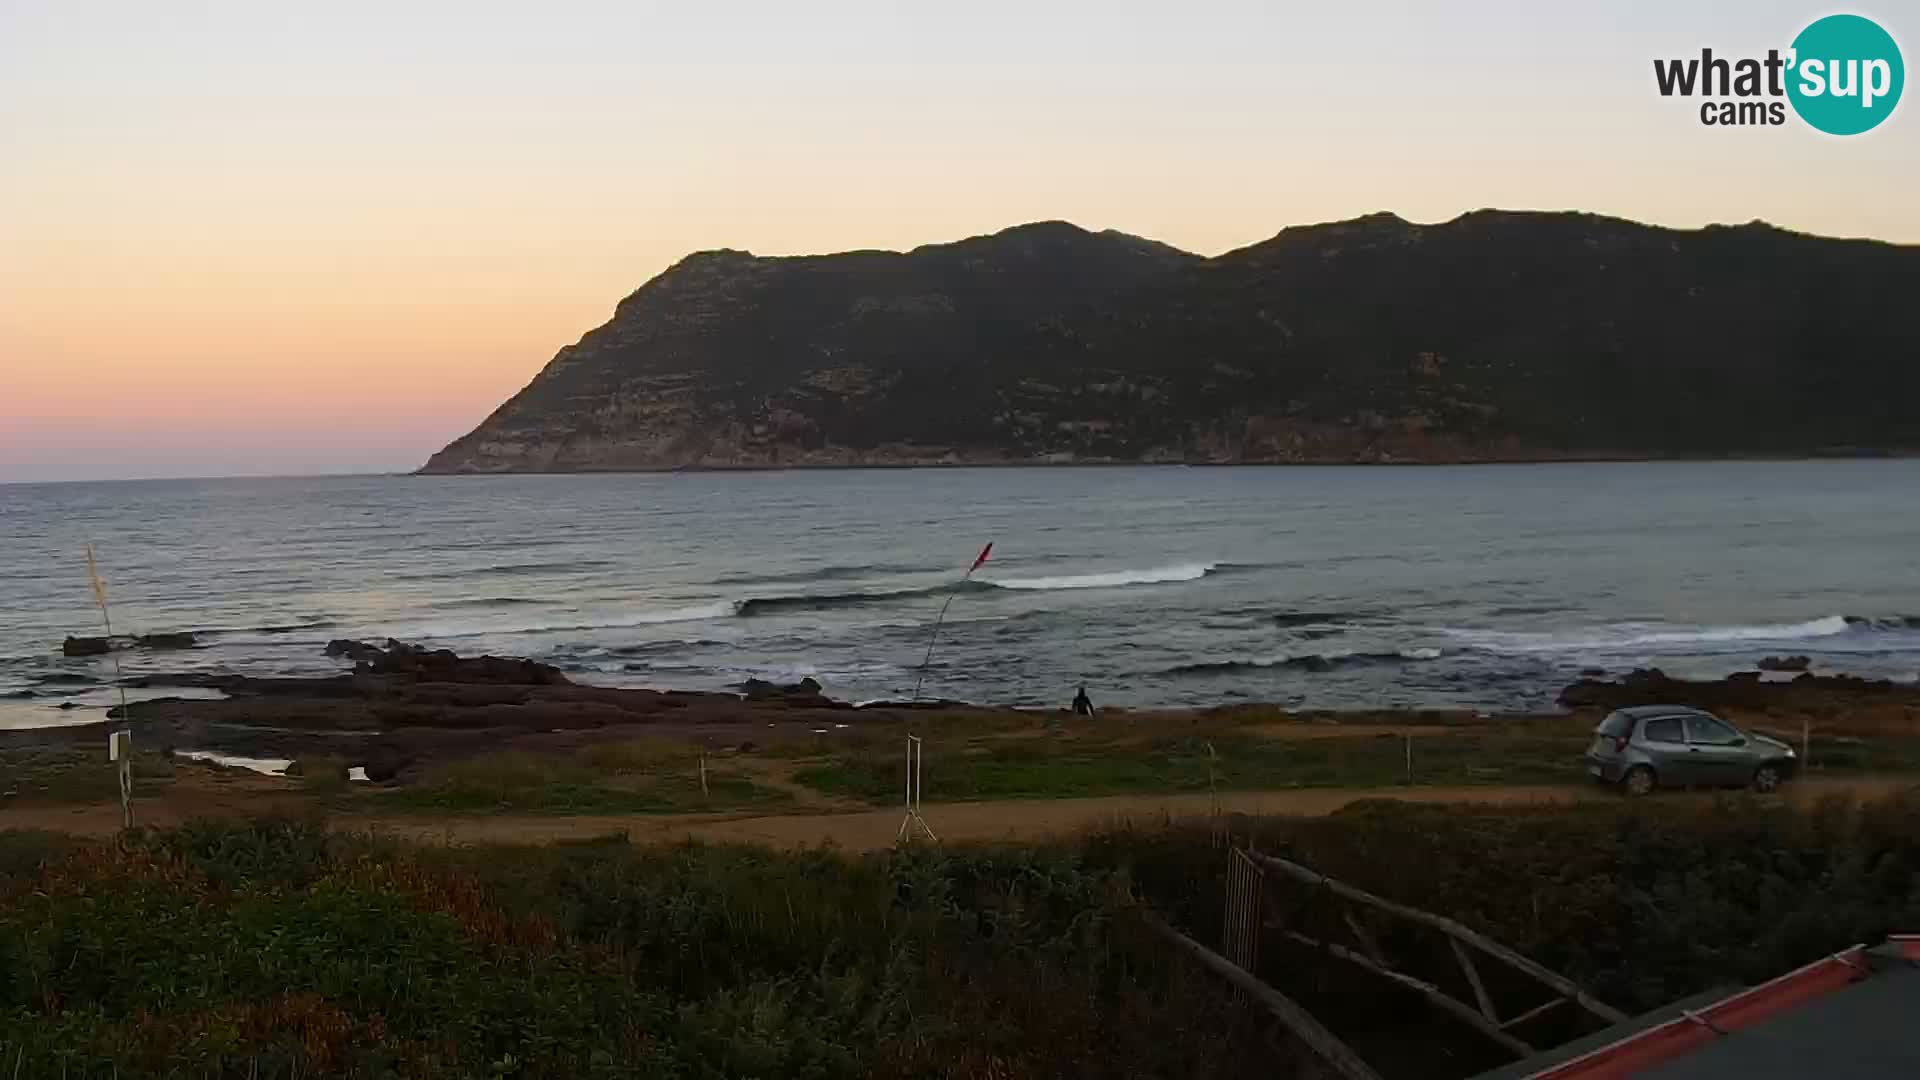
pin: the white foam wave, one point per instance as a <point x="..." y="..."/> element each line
<point x="1644" y="635"/>
<point x="1110" y="579"/>
<point x="264" y="766"/>
<point x="267" y="766"/>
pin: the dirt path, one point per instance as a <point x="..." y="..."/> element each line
<point x="1014" y="819"/>
<point x="869" y="830"/>
<point x="866" y="830"/>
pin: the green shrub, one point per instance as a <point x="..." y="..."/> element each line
<point x="276" y="950"/>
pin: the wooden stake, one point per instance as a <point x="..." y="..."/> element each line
<point x="1296" y="1019"/>
<point x="1366" y="939"/>
<point x="1565" y="986"/>
<point x="1440" y="999"/>
<point x="1473" y="979"/>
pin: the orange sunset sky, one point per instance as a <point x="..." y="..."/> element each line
<point x="267" y="238"/>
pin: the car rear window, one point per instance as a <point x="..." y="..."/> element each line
<point x="1616" y="724"/>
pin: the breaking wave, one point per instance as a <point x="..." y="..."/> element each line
<point x="1640" y="635"/>
<point x="1110" y="579"/>
<point x="772" y="605"/>
<point x="1304" y="662"/>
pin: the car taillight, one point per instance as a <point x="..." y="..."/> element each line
<point x="1619" y="744"/>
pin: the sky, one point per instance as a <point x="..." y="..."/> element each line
<point x="246" y="238"/>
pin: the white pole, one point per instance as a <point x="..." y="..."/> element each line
<point x="120" y="682"/>
<point x="916" y="753"/>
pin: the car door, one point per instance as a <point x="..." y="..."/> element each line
<point x="1665" y="745"/>
<point x="1718" y="752"/>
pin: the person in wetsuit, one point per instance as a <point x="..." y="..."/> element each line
<point x="1082" y="704"/>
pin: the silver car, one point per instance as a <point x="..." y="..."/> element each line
<point x="1650" y="746"/>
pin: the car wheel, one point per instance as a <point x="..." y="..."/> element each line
<point x="1766" y="779"/>
<point x="1639" y="781"/>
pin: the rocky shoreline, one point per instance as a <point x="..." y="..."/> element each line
<point x="402" y="707"/>
<point x="1858" y="705"/>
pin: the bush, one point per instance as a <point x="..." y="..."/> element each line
<point x="276" y="949"/>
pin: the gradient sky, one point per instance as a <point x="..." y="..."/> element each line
<point x="242" y="238"/>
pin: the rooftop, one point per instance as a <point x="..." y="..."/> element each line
<point x="1851" y="1015"/>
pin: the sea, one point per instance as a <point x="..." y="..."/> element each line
<point x="1482" y="587"/>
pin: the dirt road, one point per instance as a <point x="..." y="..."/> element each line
<point x="864" y="830"/>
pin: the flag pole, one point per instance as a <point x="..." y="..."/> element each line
<point x="938" y="619"/>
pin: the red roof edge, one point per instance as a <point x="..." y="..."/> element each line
<point x="1908" y="945"/>
<point x="1664" y="1042"/>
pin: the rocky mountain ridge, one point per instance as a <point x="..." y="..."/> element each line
<point x="1496" y="336"/>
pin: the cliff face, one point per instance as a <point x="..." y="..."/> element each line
<point x="1495" y="336"/>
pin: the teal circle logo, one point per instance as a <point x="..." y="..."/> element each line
<point x="1846" y="75"/>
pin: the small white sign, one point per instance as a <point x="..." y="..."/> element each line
<point x="119" y="744"/>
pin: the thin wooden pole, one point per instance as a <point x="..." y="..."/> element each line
<point x="1298" y="1020"/>
<point x="1552" y="1003"/>
<point x="1365" y="937"/>
<point x="1439" y="998"/>
<point x="1446" y="926"/>
<point x="1473" y="979"/>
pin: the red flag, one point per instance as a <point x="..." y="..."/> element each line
<point x="984" y="552"/>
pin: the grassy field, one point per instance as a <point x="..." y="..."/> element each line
<point x="276" y="949"/>
<point x="77" y="775"/>
<point x="971" y="759"/>
<point x="1233" y="760"/>
<point x="634" y="777"/>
